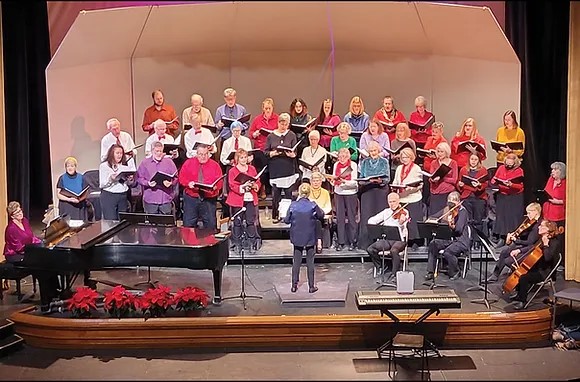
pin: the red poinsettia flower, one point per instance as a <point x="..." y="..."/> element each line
<point x="156" y="301"/>
<point x="190" y="298"/>
<point x="119" y="302"/>
<point x="81" y="303"/>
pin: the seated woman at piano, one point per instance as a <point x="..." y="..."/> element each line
<point x="395" y="216"/>
<point x="457" y="217"/>
<point x="509" y="203"/>
<point x="509" y="132"/>
<point x="373" y="189"/>
<point x="69" y="191"/>
<point x="460" y="150"/>
<point x="549" y="245"/>
<point x="375" y="133"/>
<point x="473" y="191"/>
<point x="18" y="234"/>
<point x="114" y="181"/>
<point x="243" y="193"/>
<point x="525" y="236"/>
<point x="321" y="197"/>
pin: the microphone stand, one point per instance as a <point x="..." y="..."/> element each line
<point x="241" y="250"/>
<point x="483" y="287"/>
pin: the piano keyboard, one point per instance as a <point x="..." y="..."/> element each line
<point x="426" y="299"/>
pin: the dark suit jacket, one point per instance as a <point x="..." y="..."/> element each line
<point x="302" y="216"/>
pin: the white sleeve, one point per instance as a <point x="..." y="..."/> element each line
<point x="378" y="218"/>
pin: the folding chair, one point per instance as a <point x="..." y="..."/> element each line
<point x="536" y="288"/>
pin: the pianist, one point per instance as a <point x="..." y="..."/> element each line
<point x="18" y="234"/>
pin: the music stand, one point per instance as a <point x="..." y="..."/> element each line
<point x="148" y="219"/>
<point x="434" y="230"/>
<point x="241" y="250"/>
<point x="484" y="240"/>
<point x="384" y="232"/>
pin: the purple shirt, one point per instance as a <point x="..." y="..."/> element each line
<point x="16" y="238"/>
<point x="158" y="194"/>
<point x="382" y="140"/>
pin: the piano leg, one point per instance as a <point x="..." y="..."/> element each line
<point x="48" y="284"/>
<point x="217" y="286"/>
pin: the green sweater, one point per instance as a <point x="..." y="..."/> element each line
<point x="336" y="144"/>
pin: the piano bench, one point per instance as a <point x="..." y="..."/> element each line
<point x="9" y="272"/>
<point x="408" y="345"/>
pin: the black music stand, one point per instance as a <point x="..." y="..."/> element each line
<point x="484" y="240"/>
<point x="241" y="250"/>
<point x="434" y="230"/>
<point x="148" y="219"/>
<point x="384" y="232"/>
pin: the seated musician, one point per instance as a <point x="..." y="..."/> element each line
<point x="18" y="234"/>
<point x="458" y="219"/>
<point x="525" y="236"/>
<point x="243" y="195"/>
<point x="72" y="181"/>
<point x="549" y="245"/>
<point x="157" y="197"/>
<point x="468" y="132"/>
<point x="344" y="140"/>
<point x="395" y="216"/>
<point x="200" y="202"/>
<point x="321" y="197"/>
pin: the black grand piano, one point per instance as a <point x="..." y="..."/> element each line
<point x="109" y="244"/>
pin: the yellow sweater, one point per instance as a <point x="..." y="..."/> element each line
<point x="323" y="200"/>
<point x="505" y="135"/>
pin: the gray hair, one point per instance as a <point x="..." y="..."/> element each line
<point x="560" y="166"/>
<point x="229" y="92"/>
<point x="284" y="117"/>
<point x="454" y="196"/>
<point x="314" y="133"/>
<point x="156" y="144"/>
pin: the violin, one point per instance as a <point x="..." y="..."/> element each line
<point x="400" y="212"/>
<point x="529" y="261"/>
<point x="527" y="223"/>
<point x="450" y="213"/>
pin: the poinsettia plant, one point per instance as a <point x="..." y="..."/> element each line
<point x="156" y="301"/>
<point x="119" y="302"/>
<point x="190" y="298"/>
<point x="82" y="301"/>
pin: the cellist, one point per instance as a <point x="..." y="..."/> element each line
<point x="525" y="236"/>
<point x="540" y="270"/>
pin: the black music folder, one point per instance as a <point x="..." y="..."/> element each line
<point x="211" y="128"/>
<point x="209" y="186"/>
<point x="368" y="178"/>
<point x="243" y="119"/>
<point x="299" y="129"/>
<point x="265" y="132"/>
<point x="169" y="147"/>
<point x="322" y="127"/>
<point x="440" y="172"/>
<point x="287" y="149"/>
<point x="233" y="153"/>
<point x="468" y="179"/>
<point x="542" y="196"/>
<point x="421" y="127"/>
<point x="71" y="194"/>
<point x="204" y="144"/>
<point x="242" y="177"/>
<point x="423" y="153"/>
<point x="512" y="145"/>
<point x="387" y="126"/>
<point x="517" y="179"/>
<point x="342" y="175"/>
<point x="472" y="147"/>
<point x="334" y="154"/>
<point x="397" y="151"/>
<point x="161" y="176"/>
<point x="310" y="166"/>
<point x="401" y="187"/>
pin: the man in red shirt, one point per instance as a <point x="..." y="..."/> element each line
<point x="160" y="110"/>
<point x="202" y="179"/>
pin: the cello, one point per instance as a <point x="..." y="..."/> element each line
<point x="529" y="261"/>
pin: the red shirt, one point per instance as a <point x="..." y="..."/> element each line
<point x="260" y="122"/>
<point x="462" y="158"/>
<point x="328" y="121"/>
<point x="235" y="197"/>
<point x="468" y="189"/>
<point x="431" y="144"/>
<point x="392" y="119"/>
<point x="211" y="171"/>
<point x="503" y="173"/>
<point x="448" y="182"/>
<point x="167" y="113"/>
<point x="551" y="211"/>
<point x="420" y="137"/>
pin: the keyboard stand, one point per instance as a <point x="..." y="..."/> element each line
<point x="383" y="349"/>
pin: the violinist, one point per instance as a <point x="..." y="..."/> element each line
<point x="395" y="216"/>
<point x="457" y="217"/>
<point x="549" y="246"/>
<point x="525" y="236"/>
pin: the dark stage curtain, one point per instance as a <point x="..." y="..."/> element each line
<point x="26" y="49"/>
<point x="538" y="32"/>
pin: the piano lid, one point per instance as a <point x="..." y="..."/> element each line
<point x="88" y="234"/>
<point x="164" y="236"/>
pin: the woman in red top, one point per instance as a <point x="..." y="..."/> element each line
<point x="509" y="204"/>
<point x="268" y="120"/>
<point x="389" y="116"/>
<point x="554" y="209"/>
<point x="441" y="187"/>
<point x="327" y="117"/>
<point x="468" y="132"/>
<point x="473" y="193"/>
<point x="421" y="117"/>
<point x="243" y="194"/>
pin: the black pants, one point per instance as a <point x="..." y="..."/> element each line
<point x="244" y="221"/>
<point x="113" y="203"/>
<point x="297" y="262"/>
<point x="451" y="251"/>
<point x="526" y="282"/>
<point x="395" y="247"/>
<point x="476" y="208"/>
<point x="277" y="194"/>
<point x="323" y="233"/>
<point x="346" y="207"/>
<point x="505" y="259"/>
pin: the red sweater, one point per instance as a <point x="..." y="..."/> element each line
<point x="420" y="137"/>
<point x="468" y="189"/>
<point x="551" y="211"/>
<point x="395" y="118"/>
<point x="260" y="122"/>
<point x="431" y="144"/>
<point x="462" y="158"/>
<point x="448" y="182"/>
<point x="235" y="197"/>
<point x="211" y="171"/>
<point x="503" y="173"/>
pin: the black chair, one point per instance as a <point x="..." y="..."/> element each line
<point x="91" y="178"/>
<point x="550" y="279"/>
<point x="9" y="272"/>
<point x="409" y="346"/>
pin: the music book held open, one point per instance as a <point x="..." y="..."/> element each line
<point x="310" y="166"/>
<point x="169" y="147"/>
<point x="472" y="147"/>
<point x="401" y="187"/>
<point x="347" y="171"/>
<point x="512" y="145"/>
<point x="265" y="132"/>
<point x="363" y="152"/>
<point x="440" y="172"/>
<point x="366" y="178"/>
<point x="243" y="178"/>
<point x="517" y="179"/>
<point x="243" y="119"/>
<point x="209" y="186"/>
<point x="161" y="176"/>
<point x="288" y="149"/>
<point x="205" y="144"/>
<point x="423" y="153"/>
<point x="71" y="194"/>
<point x="322" y="127"/>
<point x="468" y="179"/>
<point x="233" y="153"/>
<point x="298" y="128"/>
<point x="421" y="127"/>
<point x="397" y="151"/>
